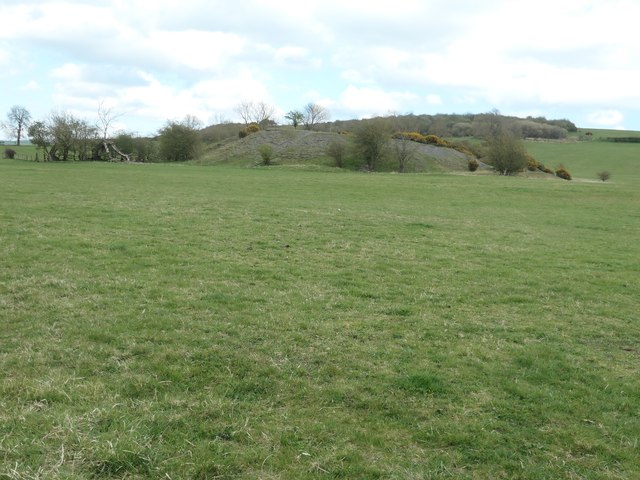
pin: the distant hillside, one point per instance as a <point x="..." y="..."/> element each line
<point x="303" y="147"/>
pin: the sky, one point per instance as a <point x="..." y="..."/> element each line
<point x="153" y="61"/>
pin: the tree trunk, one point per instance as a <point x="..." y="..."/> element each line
<point x="108" y="146"/>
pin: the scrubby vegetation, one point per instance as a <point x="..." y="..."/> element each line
<point x="477" y="125"/>
<point x="371" y="142"/>
<point x="604" y="175"/>
<point x="496" y="140"/>
<point x="337" y="150"/>
<point x="248" y="130"/>
<point x="563" y="173"/>
<point x="178" y="142"/>
<point x="266" y="153"/>
<point x="506" y="153"/>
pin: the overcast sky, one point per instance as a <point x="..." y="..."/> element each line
<point x="156" y="60"/>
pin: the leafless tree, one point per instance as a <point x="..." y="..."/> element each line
<point x="260" y="113"/>
<point x="192" y="122"/>
<point x="314" y="114"/>
<point x="106" y="117"/>
<point x="263" y="113"/>
<point x="18" y="120"/>
<point x="404" y="151"/>
<point x="244" y="109"/>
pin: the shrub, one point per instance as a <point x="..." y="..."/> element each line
<point x="266" y="152"/>
<point x="178" y="142"/>
<point x="507" y="154"/>
<point x="544" y="169"/>
<point x="473" y="165"/>
<point x="563" y="173"/>
<point x="9" y="153"/>
<point x="436" y="140"/>
<point x="248" y="130"/>
<point x="125" y="142"/>
<point x="463" y="147"/>
<point x="532" y="164"/>
<point x="371" y="141"/>
<point x="604" y="175"/>
<point x="413" y="136"/>
<point x="337" y="150"/>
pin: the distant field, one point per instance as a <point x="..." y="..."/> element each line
<point x="586" y="159"/>
<point x="23" y="152"/>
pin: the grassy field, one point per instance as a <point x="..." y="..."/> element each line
<point x="586" y="159"/>
<point x="169" y="321"/>
<point x="23" y="152"/>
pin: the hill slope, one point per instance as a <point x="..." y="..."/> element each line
<point x="294" y="147"/>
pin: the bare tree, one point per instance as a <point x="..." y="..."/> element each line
<point x="244" y="109"/>
<point x="192" y="122"/>
<point x="263" y="113"/>
<point x="314" y="114"/>
<point x="260" y="113"/>
<point x="404" y="151"/>
<point x="18" y="120"/>
<point x="106" y="117"/>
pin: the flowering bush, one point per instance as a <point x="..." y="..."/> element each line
<point x="533" y="164"/>
<point x="249" y="129"/>
<point x="563" y="173"/>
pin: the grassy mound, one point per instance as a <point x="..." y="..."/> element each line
<point x="303" y="147"/>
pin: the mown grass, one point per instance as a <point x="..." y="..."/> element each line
<point x="165" y="321"/>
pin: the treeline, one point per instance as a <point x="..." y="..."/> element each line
<point x="64" y="137"/>
<point x="441" y="125"/>
<point x="471" y="125"/>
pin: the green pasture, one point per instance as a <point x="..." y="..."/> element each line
<point x="585" y="159"/>
<point x="186" y="322"/>
<point x="27" y="152"/>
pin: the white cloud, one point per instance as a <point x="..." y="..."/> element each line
<point x="197" y="50"/>
<point x="297" y="57"/>
<point x="370" y="102"/>
<point x="433" y="99"/>
<point x="165" y="57"/>
<point x="606" y="118"/>
<point x="31" y="86"/>
<point x="80" y="92"/>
